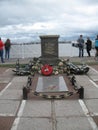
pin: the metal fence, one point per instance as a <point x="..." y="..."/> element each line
<point x="34" y="50"/>
<point x="25" y="50"/>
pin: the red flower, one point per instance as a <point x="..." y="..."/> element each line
<point x="46" y="70"/>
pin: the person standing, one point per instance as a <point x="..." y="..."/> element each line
<point x="7" y="49"/>
<point x="1" y="50"/>
<point x="81" y="46"/>
<point x="88" y="46"/>
<point x="96" y="47"/>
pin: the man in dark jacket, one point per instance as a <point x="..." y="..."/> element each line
<point x="88" y="46"/>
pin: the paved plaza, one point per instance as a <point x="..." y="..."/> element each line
<point x="44" y="114"/>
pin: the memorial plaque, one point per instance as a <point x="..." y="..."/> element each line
<point x="49" y="48"/>
<point x="51" y="84"/>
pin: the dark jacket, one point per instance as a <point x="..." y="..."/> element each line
<point x="7" y="44"/>
<point x="89" y="44"/>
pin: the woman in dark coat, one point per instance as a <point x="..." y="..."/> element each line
<point x="88" y="46"/>
<point x="7" y="48"/>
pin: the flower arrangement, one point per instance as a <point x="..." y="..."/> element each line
<point x="38" y="67"/>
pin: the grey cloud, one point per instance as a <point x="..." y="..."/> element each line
<point x="90" y="2"/>
<point x="66" y="15"/>
<point x="23" y="12"/>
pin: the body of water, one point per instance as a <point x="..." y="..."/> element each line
<point x="34" y="50"/>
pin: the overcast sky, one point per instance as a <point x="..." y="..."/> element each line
<point x="62" y="17"/>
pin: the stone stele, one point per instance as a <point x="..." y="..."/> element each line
<point x="49" y="49"/>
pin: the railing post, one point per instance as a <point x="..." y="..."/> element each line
<point x="81" y="92"/>
<point x="22" y="51"/>
<point x="25" y="93"/>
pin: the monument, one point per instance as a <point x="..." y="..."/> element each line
<point x="49" y="49"/>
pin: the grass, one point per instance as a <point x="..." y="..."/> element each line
<point x="11" y="65"/>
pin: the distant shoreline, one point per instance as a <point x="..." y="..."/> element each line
<point x="29" y="43"/>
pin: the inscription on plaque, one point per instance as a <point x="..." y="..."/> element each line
<point x="50" y="50"/>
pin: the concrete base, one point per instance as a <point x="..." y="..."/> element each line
<point x="50" y="61"/>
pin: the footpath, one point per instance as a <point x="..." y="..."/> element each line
<point x="19" y="114"/>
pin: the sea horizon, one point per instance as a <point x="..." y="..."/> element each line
<point x="34" y="50"/>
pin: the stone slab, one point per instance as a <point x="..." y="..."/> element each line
<point x="11" y="94"/>
<point x="4" y="79"/>
<point x="17" y="85"/>
<point x="83" y="80"/>
<point x="37" y="109"/>
<point x="49" y="49"/>
<point x="93" y="74"/>
<point x="22" y="79"/>
<point x="90" y="93"/>
<point x="35" y="124"/>
<point x="92" y="105"/>
<point x="8" y="107"/>
<point x="93" y="71"/>
<point x="51" y="84"/>
<point x="49" y="46"/>
<point x="73" y="123"/>
<point x="94" y="77"/>
<point x="68" y="108"/>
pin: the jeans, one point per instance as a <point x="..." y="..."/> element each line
<point x="1" y="55"/>
<point x="81" y="51"/>
<point x="7" y="53"/>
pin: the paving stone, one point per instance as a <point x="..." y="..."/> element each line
<point x="8" y="107"/>
<point x="93" y="71"/>
<point x="11" y="94"/>
<point x="83" y="80"/>
<point x="68" y="108"/>
<point x="8" y="72"/>
<point x="73" y="123"/>
<point x="17" y="85"/>
<point x="90" y="93"/>
<point x="92" y="105"/>
<point x="20" y="79"/>
<point x="5" y="79"/>
<point x="94" y="77"/>
<point x="89" y="84"/>
<point x="37" y="109"/>
<point x="35" y="124"/>
<point x="93" y="74"/>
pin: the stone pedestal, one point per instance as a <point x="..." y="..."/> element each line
<point x="49" y="49"/>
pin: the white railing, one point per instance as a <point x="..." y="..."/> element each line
<point x="25" y="50"/>
<point x="34" y="50"/>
